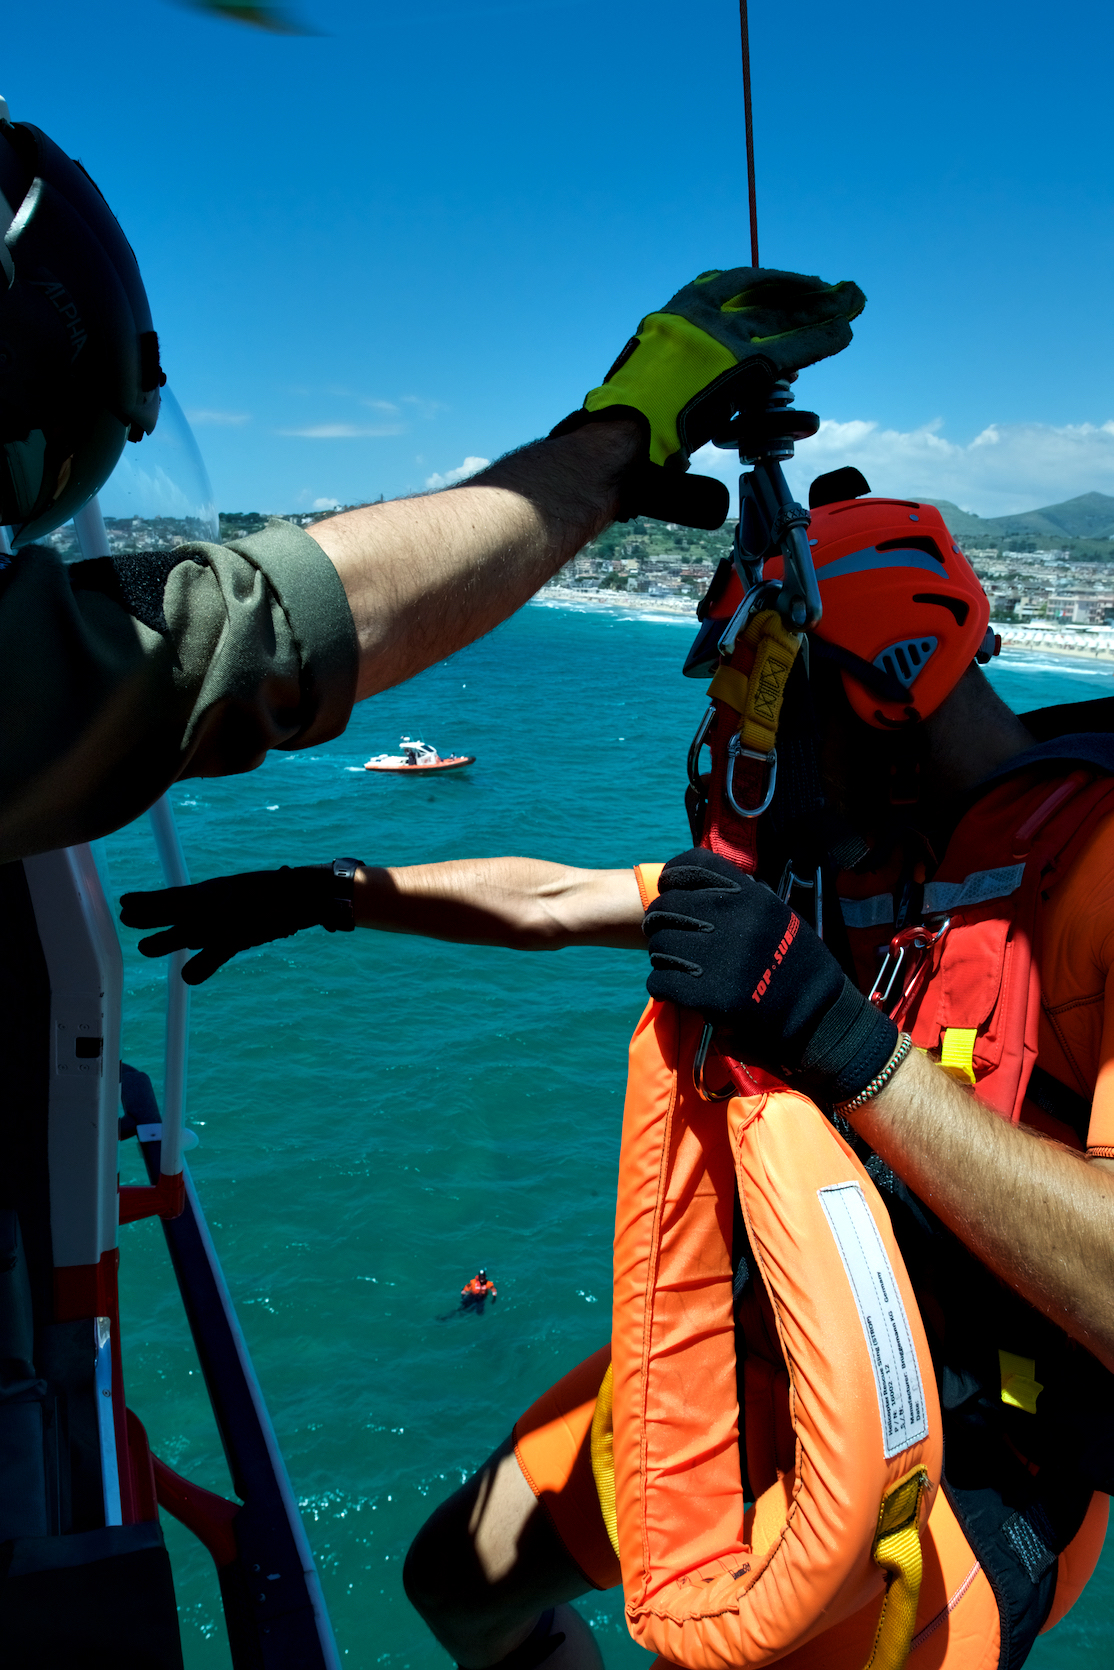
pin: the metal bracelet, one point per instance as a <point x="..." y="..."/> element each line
<point x="904" y="1045"/>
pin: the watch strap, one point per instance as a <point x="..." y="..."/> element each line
<point x="343" y="889"/>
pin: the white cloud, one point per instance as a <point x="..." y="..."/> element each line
<point x="1007" y="467"/>
<point x="325" y="504"/>
<point x="221" y="419"/>
<point x="424" y="408"/>
<point x="380" y="405"/>
<point x="461" y="473"/>
<point x="342" y="431"/>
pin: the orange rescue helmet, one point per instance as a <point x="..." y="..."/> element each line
<point x="904" y="613"/>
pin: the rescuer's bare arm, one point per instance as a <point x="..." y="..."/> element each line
<point x="425" y="576"/>
<point x="525" y="904"/>
<point x="1038" y="1214"/>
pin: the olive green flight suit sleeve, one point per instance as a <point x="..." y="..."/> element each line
<point x="122" y="675"/>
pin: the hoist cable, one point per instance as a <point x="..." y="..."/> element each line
<point x="753" y="201"/>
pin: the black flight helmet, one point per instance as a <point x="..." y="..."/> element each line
<point x="79" y="358"/>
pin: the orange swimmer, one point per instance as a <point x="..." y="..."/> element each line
<point x="478" y="1288"/>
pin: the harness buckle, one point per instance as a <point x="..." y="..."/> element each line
<point x="736" y="751"/>
<point x="790" y="880"/>
<point x="917" y="944"/>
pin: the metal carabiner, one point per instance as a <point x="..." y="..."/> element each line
<point x="694" y="750"/>
<point x="918" y="939"/>
<point x="896" y="954"/>
<point x="698" y="1061"/>
<point x="763" y="593"/>
<point x="735" y="751"/>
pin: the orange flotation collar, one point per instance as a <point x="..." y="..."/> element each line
<point x="841" y="1419"/>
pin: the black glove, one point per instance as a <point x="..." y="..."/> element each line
<point x="231" y="913"/>
<point x="723" y="944"/>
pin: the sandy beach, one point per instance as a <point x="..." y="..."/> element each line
<point x="618" y="602"/>
<point x="1086" y="643"/>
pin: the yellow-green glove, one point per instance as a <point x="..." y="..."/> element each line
<point x="715" y="349"/>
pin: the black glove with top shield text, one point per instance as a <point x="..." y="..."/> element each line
<point x="723" y="944"/>
<point x="228" y="914"/>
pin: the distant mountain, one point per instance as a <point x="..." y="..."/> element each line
<point x="964" y="524"/>
<point x="1090" y="516"/>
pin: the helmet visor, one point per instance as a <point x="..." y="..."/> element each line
<point x="158" y="496"/>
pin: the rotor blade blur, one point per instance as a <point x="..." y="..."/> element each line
<point x="257" y="14"/>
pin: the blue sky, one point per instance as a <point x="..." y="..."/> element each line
<point x="420" y="235"/>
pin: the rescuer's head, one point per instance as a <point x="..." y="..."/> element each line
<point x="79" y="358"/>
<point x="904" y="613"/>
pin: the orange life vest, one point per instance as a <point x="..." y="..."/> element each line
<point x="966" y="985"/>
<point x="973" y="992"/>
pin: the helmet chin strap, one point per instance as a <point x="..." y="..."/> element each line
<point x="886" y="686"/>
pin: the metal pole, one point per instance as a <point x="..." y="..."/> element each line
<point x="749" y="121"/>
<point x="174" y="870"/>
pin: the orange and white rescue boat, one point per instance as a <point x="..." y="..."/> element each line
<point x="417" y="756"/>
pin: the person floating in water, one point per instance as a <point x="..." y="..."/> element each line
<point x="475" y="1292"/>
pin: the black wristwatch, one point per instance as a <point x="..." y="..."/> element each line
<point x="344" y="883"/>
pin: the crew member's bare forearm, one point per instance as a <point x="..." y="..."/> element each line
<point x="1038" y="1214"/>
<point x="524" y="904"/>
<point x="425" y="576"/>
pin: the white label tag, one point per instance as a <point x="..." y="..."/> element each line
<point x="897" y="1373"/>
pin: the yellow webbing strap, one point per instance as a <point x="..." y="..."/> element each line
<point x="957" y="1051"/>
<point x="757" y="696"/>
<point x="897" y="1549"/>
<point x="730" y="686"/>
<point x="1020" y="1386"/>
<point x="603" y="1458"/>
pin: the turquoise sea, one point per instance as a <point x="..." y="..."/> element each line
<point x="379" y="1115"/>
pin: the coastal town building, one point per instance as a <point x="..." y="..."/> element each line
<point x="1041" y="595"/>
